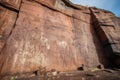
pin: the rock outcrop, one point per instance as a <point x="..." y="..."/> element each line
<point x="56" y="34"/>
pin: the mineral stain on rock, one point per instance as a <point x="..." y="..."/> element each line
<point x="57" y="34"/>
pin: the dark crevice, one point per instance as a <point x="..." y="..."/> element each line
<point x="12" y="9"/>
<point x="5" y="59"/>
<point x="14" y="23"/>
<point x="6" y="38"/>
<point x="108" y="53"/>
<point x="108" y="45"/>
<point x="16" y="19"/>
<point x="106" y="25"/>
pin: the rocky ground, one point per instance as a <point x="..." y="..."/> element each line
<point x="106" y="74"/>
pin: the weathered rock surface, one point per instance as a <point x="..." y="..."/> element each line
<point x="11" y="4"/>
<point x="107" y="26"/>
<point x="7" y="20"/>
<point x="56" y="34"/>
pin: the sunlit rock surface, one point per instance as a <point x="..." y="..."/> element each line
<point x="56" y="34"/>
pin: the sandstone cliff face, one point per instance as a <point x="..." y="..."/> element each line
<point x="56" y="34"/>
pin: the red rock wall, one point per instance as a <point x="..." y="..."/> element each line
<point x="8" y="17"/>
<point x="107" y="27"/>
<point x="13" y="4"/>
<point x="52" y="34"/>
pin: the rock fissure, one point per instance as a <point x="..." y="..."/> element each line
<point x="9" y="8"/>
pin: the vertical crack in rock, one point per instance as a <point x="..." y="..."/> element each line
<point x="106" y="30"/>
<point x="17" y="11"/>
<point x="95" y="24"/>
<point x="8" y="17"/>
